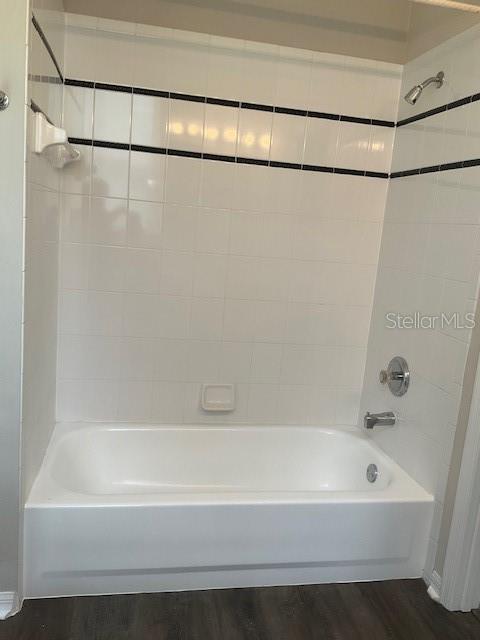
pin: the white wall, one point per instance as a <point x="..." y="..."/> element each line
<point x="430" y="263"/>
<point x="41" y="251"/>
<point x="177" y="271"/>
<point x="13" y="52"/>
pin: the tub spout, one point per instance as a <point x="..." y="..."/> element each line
<point x="386" y="418"/>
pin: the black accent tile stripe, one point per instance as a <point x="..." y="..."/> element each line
<point x="285" y="165"/>
<point x="81" y="141"/>
<point x="444" y="107"/>
<point x="459" y="103"/>
<point x="316" y="167"/>
<point x="405" y="121"/>
<point x="261" y="163"/>
<point x="269" y="108"/>
<point x="88" y="84"/>
<point x="187" y="97"/>
<point x="256" y="107"/>
<point x="383" y="123"/>
<point x="349" y="172"/>
<point x="223" y="103"/>
<point x="355" y="120"/>
<point x="471" y="163"/>
<point x="376" y="174"/>
<point x="405" y="174"/>
<point x="224" y="158"/>
<point x="436" y="111"/>
<point x="218" y="157"/>
<point x="150" y="92"/>
<point x="113" y="87"/>
<point x="291" y="112"/>
<point x="146" y="149"/>
<point x="422" y="116"/>
<point x="323" y="115"/>
<point x="43" y="38"/>
<point x="106" y="144"/>
<point x="302" y="113"/>
<point x="183" y="154"/>
<point x="449" y="166"/>
<point x="431" y="169"/>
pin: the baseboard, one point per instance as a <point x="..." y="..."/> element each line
<point x="9" y="604"/>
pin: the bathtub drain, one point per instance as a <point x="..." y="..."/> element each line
<point x="372" y="472"/>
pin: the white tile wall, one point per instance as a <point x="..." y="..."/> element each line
<point x="178" y="271"/>
<point x="185" y="125"/>
<point x="429" y="263"/>
<point x="42" y="222"/>
<point x="116" y="129"/>
<point x="149" y="121"/>
<point x="255" y="134"/>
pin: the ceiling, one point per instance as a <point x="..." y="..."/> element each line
<point x="389" y="30"/>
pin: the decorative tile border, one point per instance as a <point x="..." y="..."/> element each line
<point x="449" y="166"/>
<point x="249" y="105"/>
<point x="303" y="113"/>
<point x="230" y="159"/>
<point x="273" y="109"/>
<point x="445" y="107"/>
<point x="260" y="107"/>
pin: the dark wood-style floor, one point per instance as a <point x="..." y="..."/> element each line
<point x="368" y="611"/>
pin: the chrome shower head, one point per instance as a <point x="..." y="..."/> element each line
<point x="413" y="95"/>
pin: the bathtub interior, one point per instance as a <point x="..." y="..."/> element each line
<point x="137" y="459"/>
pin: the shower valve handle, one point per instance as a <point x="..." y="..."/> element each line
<point x="396" y="376"/>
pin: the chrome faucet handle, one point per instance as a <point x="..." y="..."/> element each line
<point x="396" y="376"/>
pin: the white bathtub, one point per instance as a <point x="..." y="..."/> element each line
<point x="122" y="508"/>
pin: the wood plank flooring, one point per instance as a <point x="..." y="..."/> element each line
<point x="396" y="610"/>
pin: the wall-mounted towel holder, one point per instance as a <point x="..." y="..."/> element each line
<point x="52" y="141"/>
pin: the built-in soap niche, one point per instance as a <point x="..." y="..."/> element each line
<point x="218" y="397"/>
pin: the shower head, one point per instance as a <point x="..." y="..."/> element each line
<point x="413" y="95"/>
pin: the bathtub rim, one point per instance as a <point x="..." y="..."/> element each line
<point x="46" y="492"/>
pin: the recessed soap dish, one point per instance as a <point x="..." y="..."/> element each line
<point x="218" y="397"/>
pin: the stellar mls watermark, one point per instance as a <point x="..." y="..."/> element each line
<point x="418" y="320"/>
